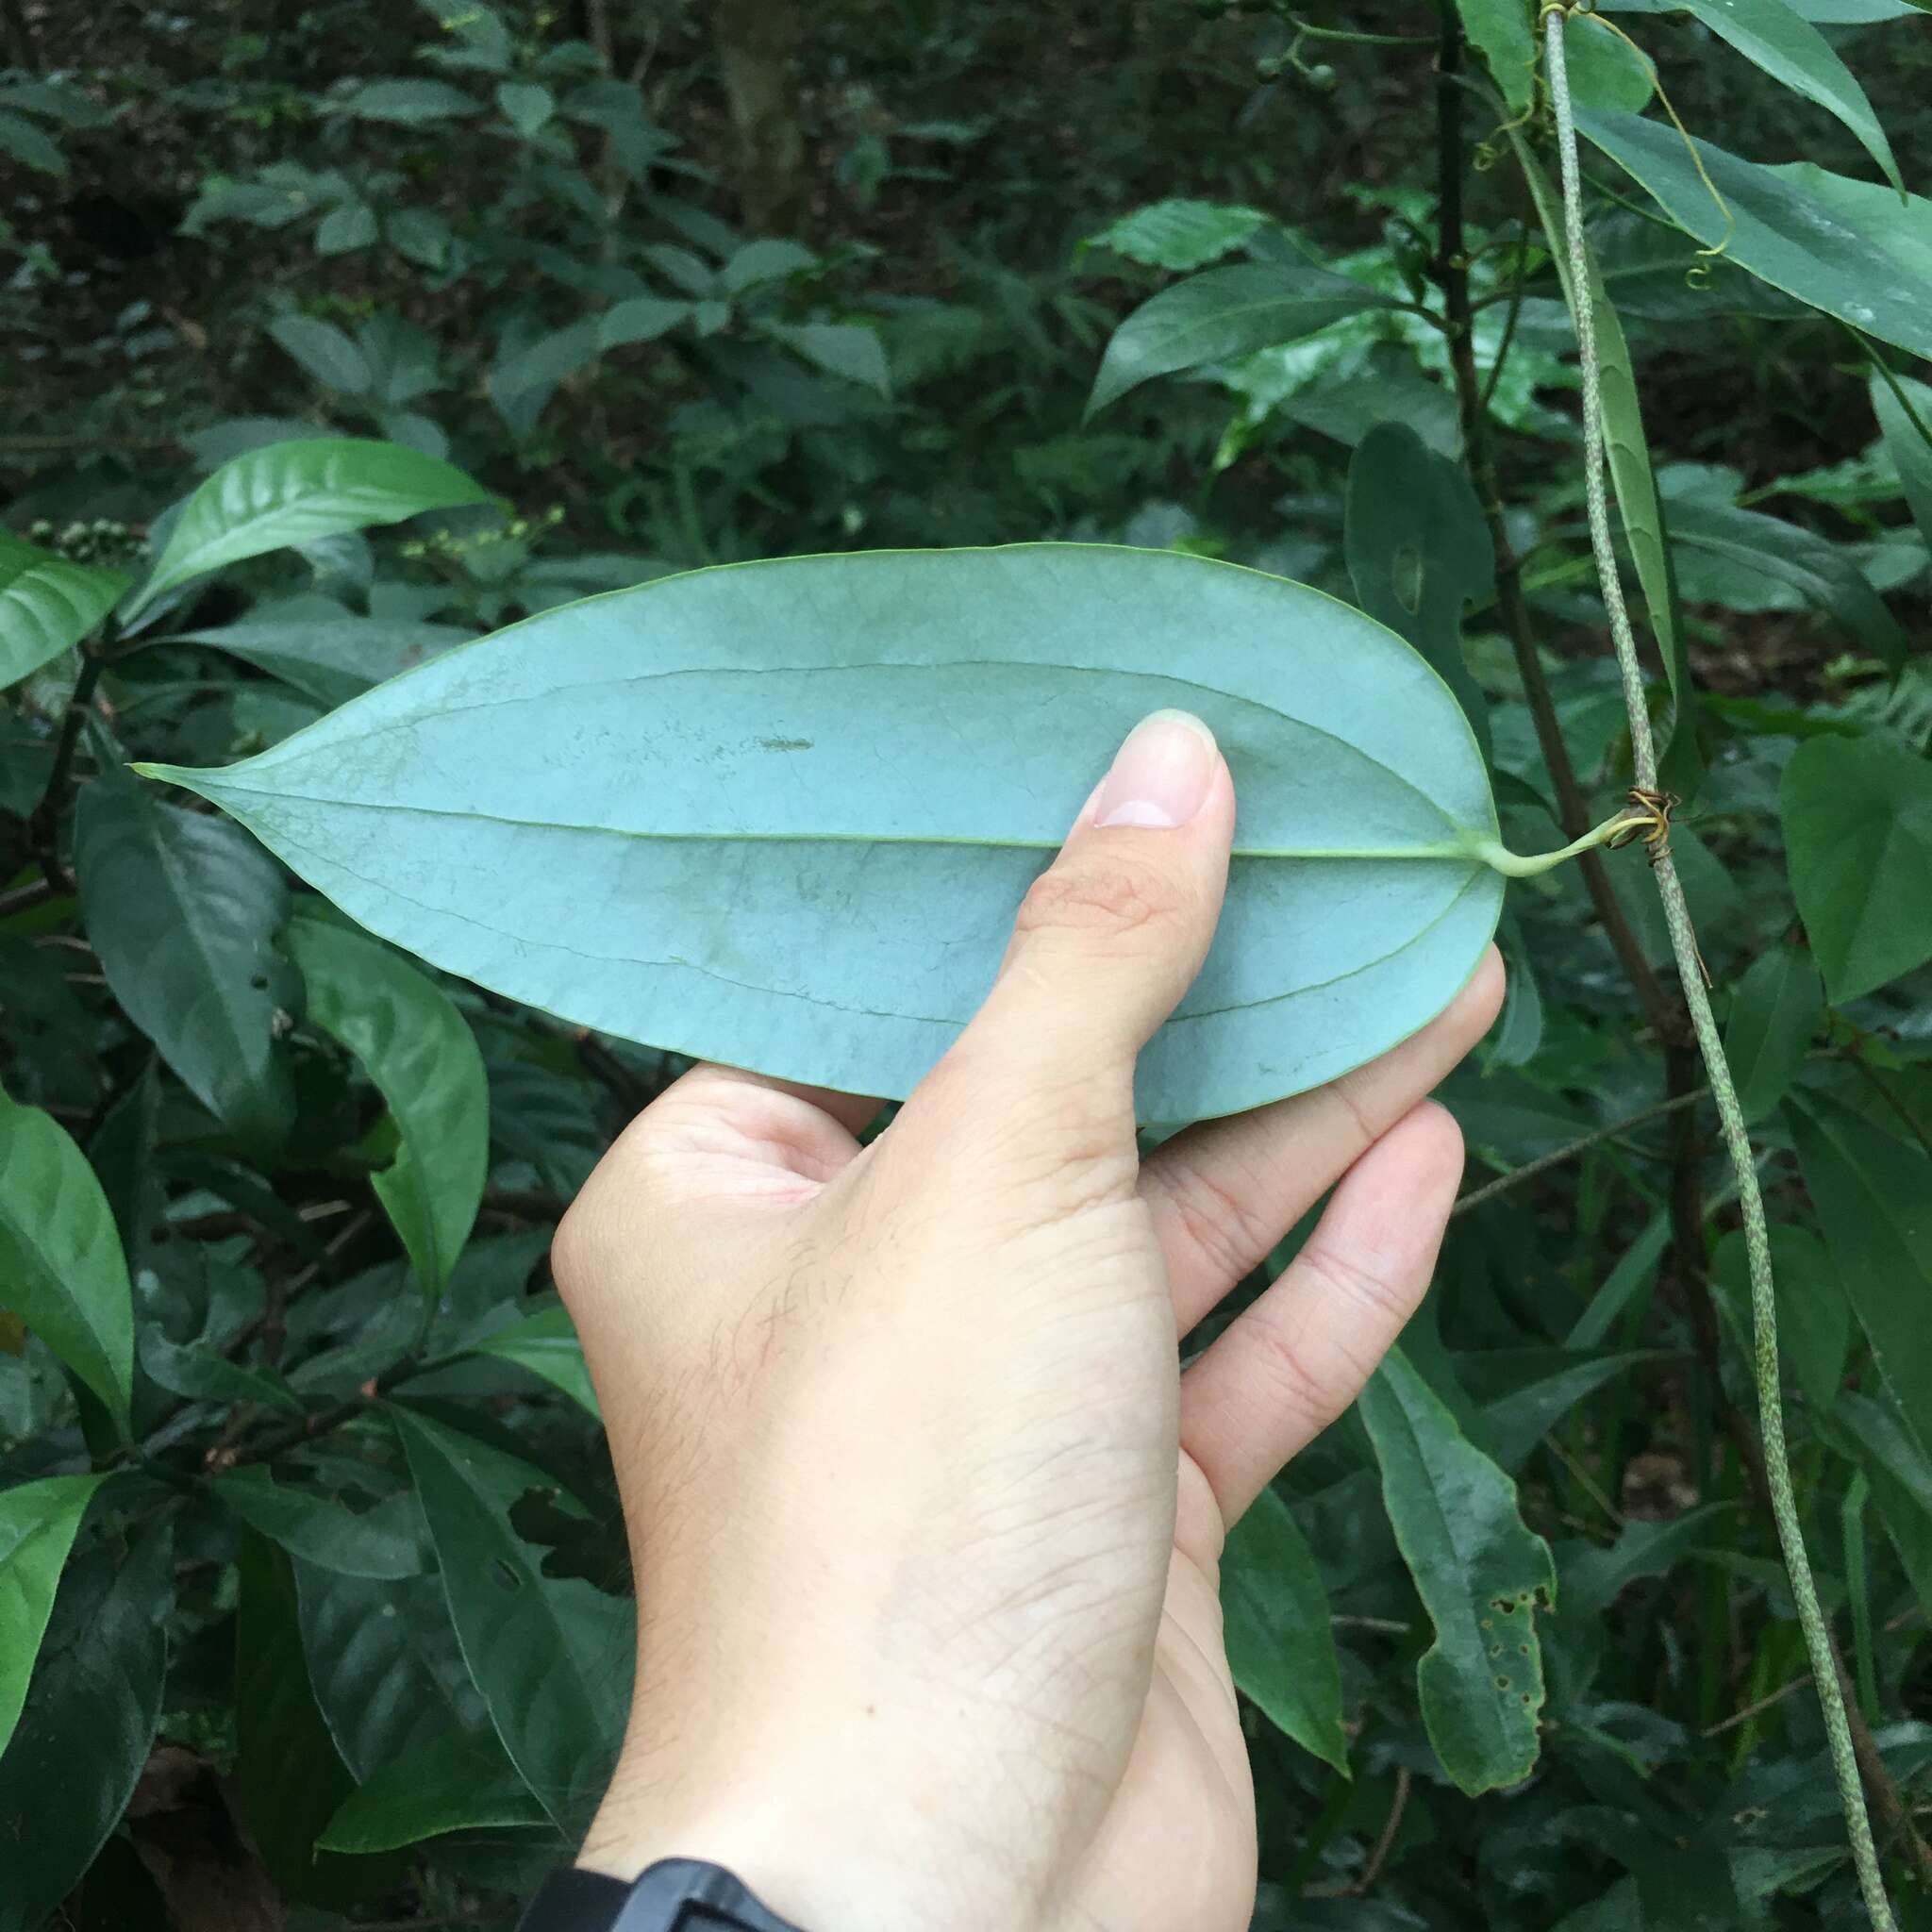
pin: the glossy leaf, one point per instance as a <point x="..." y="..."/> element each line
<point x="1846" y="247"/>
<point x="290" y="1778"/>
<point x="1418" y="551"/>
<point x="461" y="1781"/>
<point x="1179" y="234"/>
<point x="1814" y="1320"/>
<point x="754" y="905"/>
<point x="549" y="1656"/>
<point x="38" y="1524"/>
<point x="548" y="1346"/>
<point x="61" y="1266"/>
<point x="1775" y="1014"/>
<point x="1275" y="1615"/>
<point x="1640" y="508"/>
<point x="1857" y="825"/>
<point x="1480" y="1574"/>
<point x="1906" y="440"/>
<point x="89" y="1719"/>
<point x="384" y="1663"/>
<point x="182" y="914"/>
<point x="1604" y="69"/>
<point x="422" y="1057"/>
<point x="1874" y="1197"/>
<point x="332" y="659"/>
<point x="1222" y="314"/>
<point x="294" y="492"/>
<point x="1788" y="47"/>
<point x="382" y="1542"/>
<point x="1502" y="29"/>
<point x="1819" y="572"/>
<point x="47" y="604"/>
<point x="203" y="1373"/>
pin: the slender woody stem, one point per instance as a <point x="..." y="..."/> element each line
<point x="1784" y="1505"/>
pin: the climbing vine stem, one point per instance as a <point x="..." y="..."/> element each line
<point x="1818" y="1644"/>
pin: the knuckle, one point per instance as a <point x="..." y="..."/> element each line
<point x="1217" y="1222"/>
<point x="1092" y="897"/>
<point x="1364" y="1289"/>
<point x="1301" y="1388"/>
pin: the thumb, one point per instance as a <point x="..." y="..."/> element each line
<point x="1113" y="932"/>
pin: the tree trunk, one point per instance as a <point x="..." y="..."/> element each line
<point x="756" y="42"/>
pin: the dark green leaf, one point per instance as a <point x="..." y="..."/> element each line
<point x="1846" y="247"/>
<point x="1900" y="1473"/>
<point x="201" y="1371"/>
<point x="1417" y="550"/>
<point x="183" y="913"/>
<point x="383" y="1543"/>
<point x="1775" y="1014"/>
<point x="1874" y="1196"/>
<point x="38" y="1524"/>
<point x="1857" y="823"/>
<point x="1814" y="1321"/>
<point x="548" y="1346"/>
<point x="1221" y="315"/>
<point x="550" y="1656"/>
<point x="81" y="1742"/>
<point x="1502" y="29"/>
<point x="525" y="106"/>
<point x="461" y="1781"/>
<point x="1275" y="1614"/>
<point x="1903" y="408"/>
<point x="325" y="352"/>
<point x="332" y="659"/>
<point x="409" y="103"/>
<point x="294" y="492"/>
<point x="1480" y="1574"/>
<point x="1604" y="69"/>
<point x="47" y="604"/>
<point x="642" y="319"/>
<point x="422" y="1059"/>
<point x="985" y="690"/>
<point x="839" y="349"/>
<point x="61" y="1266"/>
<point x="1179" y="234"/>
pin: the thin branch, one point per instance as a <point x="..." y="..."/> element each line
<point x="1757" y="1709"/>
<point x="44" y="827"/>
<point x="1378" y="1857"/>
<point x="1571" y="1149"/>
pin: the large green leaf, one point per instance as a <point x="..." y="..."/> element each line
<point x="61" y="1266"/>
<point x="294" y="492"/>
<point x="856" y="765"/>
<point x="1857" y="823"/>
<point x="332" y="658"/>
<point x="84" y="1737"/>
<point x="1480" y="1573"/>
<point x="1903" y="408"/>
<point x="1818" y="569"/>
<point x="46" y="605"/>
<point x="384" y="1542"/>
<point x="548" y="1346"/>
<point x="1503" y="30"/>
<point x="422" y="1057"/>
<point x="1640" y="508"/>
<point x="288" y="1772"/>
<point x="1874" y="1196"/>
<point x="549" y="1656"/>
<point x="1814" y="1320"/>
<point x="1788" y="47"/>
<point x="182" y="914"/>
<point x="38" y="1524"/>
<point x="1222" y="314"/>
<point x="1847" y="248"/>
<point x="1773" y="1014"/>
<point x="1417" y="550"/>
<point x="1275" y="1614"/>
<point x="461" y="1781"/>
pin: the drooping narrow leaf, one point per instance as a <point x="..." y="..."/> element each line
<point x="550" y="1656"/>
<point x="384" y="1542"/>
<point x="1417" y="550"/>
<point x="423" y="1059"/>
<point x="1874" y="1196"/>
<point x="38" y="1524"/>
<point x="84" y="1736"/>
<point x="1788" y="47"/>
<point x="1900" y="1473"/>
<point x="1280" y="1644"/>
<point x="1847" y="248"/>
<point x="287" y="1773"/>
<point x="548" y="1346"/>
<point x="668" y="775"/>
<point x="1479" y="1571"/>
<point x="1773" y="1015"/>
<point x="294" y="492"/>
<point x="1818" y="569"/>
<point x="1640" y="508"/>
<point x="1857" y="825"/>
<point x="46" y="605"/>
<point x="182" y="914"/>
<point x="1222" y="315"/>
<point x="462" y="1781"/>
<point x="1906" y="440"/>
<point x="1502" y="29"/>
<point x="61" y="1266"/>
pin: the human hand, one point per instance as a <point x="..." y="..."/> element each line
<point x="925" y="1523"/>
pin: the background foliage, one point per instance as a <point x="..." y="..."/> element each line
<point x="300" y="1479"/>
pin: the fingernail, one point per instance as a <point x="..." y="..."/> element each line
<point x="1160" y="775"/>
